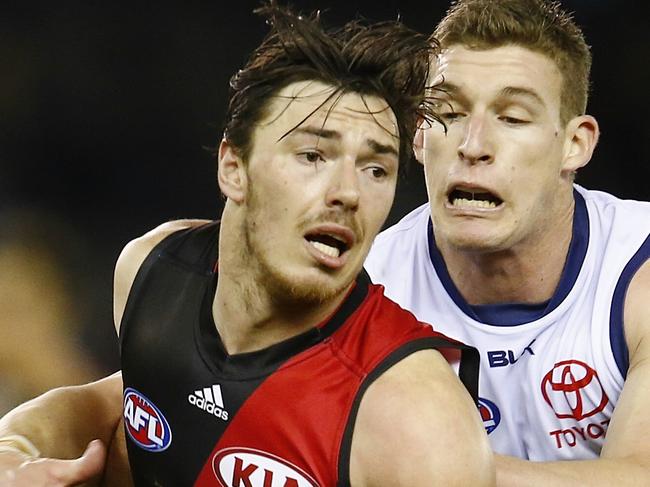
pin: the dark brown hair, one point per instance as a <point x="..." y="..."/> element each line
<point x="386" y="59"/>
<point x="539" y="25"/>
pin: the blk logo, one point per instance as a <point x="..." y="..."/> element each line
<point x="503" y="358"/>
<point x="145" y="423"/>
<point x="247" y="467"/>
<point x="490" y="414"/>
<point x="573" y="390"/>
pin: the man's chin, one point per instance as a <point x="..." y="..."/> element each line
<point x="472" y="241"/>
<point x="306" y="290"/>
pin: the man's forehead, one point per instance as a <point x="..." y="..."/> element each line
<point x="458" y="66"/>
<point x="315" y="102"/>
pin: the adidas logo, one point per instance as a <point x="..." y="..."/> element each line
<point x="209" y="399"/>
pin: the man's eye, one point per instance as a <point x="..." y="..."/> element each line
<point x="378" y="172"/>
<point x="512" y="120"/>
<point x="311" y="157"/>
<point x="450" y="116"/>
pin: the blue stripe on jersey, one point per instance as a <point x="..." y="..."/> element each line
<point x="512" y="314"/>
<point x="509" y="314"/>
<point x="616" y="330"/>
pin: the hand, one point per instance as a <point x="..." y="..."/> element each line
<point x="18" y="469"/>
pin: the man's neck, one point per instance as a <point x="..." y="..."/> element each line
<point x="528" y="272"/>
<point x="248" y="319"/>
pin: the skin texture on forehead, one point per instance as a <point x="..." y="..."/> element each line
<point x="320" y="101"/>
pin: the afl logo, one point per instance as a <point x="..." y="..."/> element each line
<point x="573" y="390"/>
<point x="490" y="414"/>
<point x="235" y="467"/>
<point x="145" y="423"/>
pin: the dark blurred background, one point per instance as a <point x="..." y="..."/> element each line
<point x="105" y="110"/>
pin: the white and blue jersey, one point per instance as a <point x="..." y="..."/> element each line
<point x="551" y="374"/>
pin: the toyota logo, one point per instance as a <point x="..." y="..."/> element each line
<point x="573" y="390"/>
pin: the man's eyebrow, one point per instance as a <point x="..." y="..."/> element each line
<point x="379" y="148"/>
<point x="318" y="132"/>
<point x="374" y="145"/>
<point x="447" y="88"/>
<point x="454" y="91"/>
<point x="510" y="91"/>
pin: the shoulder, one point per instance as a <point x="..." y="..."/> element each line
<point x="415" y="219"/>
<point x="397" y="241"/>
<point x="137" y="249"/>
<point x="628" y="431"/>
<point x="637" y="316"/>
<point x="418" y="426"/>
<point x="619" y="239"/>
<point x="134" y="254"/>
<point x="611" y="206"/>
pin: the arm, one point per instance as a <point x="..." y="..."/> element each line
<point x="625" y="458"/>
<point x="59" y="424"/>
<point x="417" y="426"/>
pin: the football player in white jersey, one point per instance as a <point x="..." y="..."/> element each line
<point x="550" y="281"/>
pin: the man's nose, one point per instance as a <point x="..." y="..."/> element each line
<point x="344" y="188"/>
<point x="476" y="145"/>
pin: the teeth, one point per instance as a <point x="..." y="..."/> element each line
<point x="463" y="202"/>
<point x="326" y="249"/>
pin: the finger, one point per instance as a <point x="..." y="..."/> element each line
<point x="89" y="465"/>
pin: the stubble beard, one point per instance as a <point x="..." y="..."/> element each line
<point x="271" y="279"/>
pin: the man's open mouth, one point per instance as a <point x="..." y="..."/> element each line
<point x="463" y="198"/>
<point x="332" y="245"/>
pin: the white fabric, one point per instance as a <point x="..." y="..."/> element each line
<point x="577" y="329"/>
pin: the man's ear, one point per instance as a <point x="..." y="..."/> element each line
<point x="582" y="134"/>
<point x="231" y="173"/>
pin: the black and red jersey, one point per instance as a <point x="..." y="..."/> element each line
<point x="278" y="417"/>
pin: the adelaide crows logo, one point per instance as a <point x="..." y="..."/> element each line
<point x="490" y="414"/>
